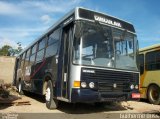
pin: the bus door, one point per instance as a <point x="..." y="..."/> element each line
<point x="64" y="61"/>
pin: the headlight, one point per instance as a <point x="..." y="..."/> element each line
<point x="136" y="86"/>
<point x="91" y="85"/>
<point x="132" y="86"/>
<point x="83" y="84"/>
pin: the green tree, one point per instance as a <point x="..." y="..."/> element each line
<point x="14" y="52"/>
<point x="7" y="50"/>
<point x="4" y="51"/>
<point x="19" y="47"/>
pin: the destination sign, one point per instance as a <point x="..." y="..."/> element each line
<point x="106" y="19"/>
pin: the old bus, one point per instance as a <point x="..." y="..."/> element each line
<point x="86" y="56"/>
<point x="149" y="61"/>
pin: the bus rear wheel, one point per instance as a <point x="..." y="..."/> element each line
<point x="50" y="102"/>
<point x="154" y="94"/>
<point x="20" y="91"/>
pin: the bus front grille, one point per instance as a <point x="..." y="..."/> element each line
<point x="110" y="80"/>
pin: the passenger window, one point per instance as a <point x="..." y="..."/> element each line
<point x="28" y="53"/>
<point x="42" y="44"/>
<point x="19" y="62"/>
<point x="32" y="59"/>
<point x="53" y="43"/>
<point x="40" y="55"/>
<point x="23" y="57"/>
<point x="54" y="37"/>
<point x="151" y="62"/>
<point x="34" y="49"/>
<point x="51" y="50"/>
<point x="158" y="60"/>
<point x="27" y="58"/>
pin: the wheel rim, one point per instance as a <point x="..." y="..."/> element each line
<point x="48" y="93"/>
<point x="154" y="94"/>
<point x="19" y="87"/>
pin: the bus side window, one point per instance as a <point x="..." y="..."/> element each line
<point x="158" y="60"/>
<point x="19" y="62"/>
<point x="23" y="60"/>
<point x="27" y="58"/>
<point x="52" y="44"/>
<point x="141" y="63"/>
<point x="41" y="50"/>
<point x="151" y="61"/>
<point x="33" y="54"/>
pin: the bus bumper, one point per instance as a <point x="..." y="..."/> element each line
<point x="90" y="96"/>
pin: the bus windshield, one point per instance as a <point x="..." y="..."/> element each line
<point x="103" y="46"/>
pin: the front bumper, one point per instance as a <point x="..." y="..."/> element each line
<point x="90" y="96"/>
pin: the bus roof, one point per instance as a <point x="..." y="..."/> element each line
<point x="150" y="48"/>
<point x="87" y="14"/>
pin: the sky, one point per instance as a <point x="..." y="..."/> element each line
<point x="25" y="20"/>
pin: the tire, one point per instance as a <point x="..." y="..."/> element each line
<point x="50" y="102"/>
<point x="154" y="94"/>
<point x="20" y="91"/>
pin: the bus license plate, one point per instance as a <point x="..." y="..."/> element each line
<point x="135" y="95"/>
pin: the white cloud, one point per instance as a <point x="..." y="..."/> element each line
<point x="6" y="41"/>
<point x="46" y="19"/>
<point x="35" y="29"/>
<point x="23" y="35"/>
<point x="9" y="9"/>
<point x="54" y="6"/>
<point x="25" y="8"/>
<point x="30" y="15"/>
<point x="13" y="34"/>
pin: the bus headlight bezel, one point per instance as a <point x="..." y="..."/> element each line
<point x="136" y="87"/>
<point x="131" y="86"/>
<point x="83" y="84"/>
<point x="92" y="85"/>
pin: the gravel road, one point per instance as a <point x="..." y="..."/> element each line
<point x="72" y="111"/>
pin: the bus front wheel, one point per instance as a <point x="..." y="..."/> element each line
<point x="154" y="94"/>
<point x="50" y="102"/>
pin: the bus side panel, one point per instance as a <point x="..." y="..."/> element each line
<point x="148" y="78"/>
<point x="152" y="77"/>
<point x="143" y="88"/>
<point x="37" y="76"/>
<point x="41" y="69"/>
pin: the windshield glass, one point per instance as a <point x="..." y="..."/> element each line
<point x="101" y="45"/>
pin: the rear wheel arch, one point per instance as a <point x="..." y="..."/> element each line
<point x="150" y="96"/>
<point x="152" y="85"/>
<point x="51" y="103"/>
<point x="17" y="82"/>
<point x="47" y="77"/>
<point x="48" y="91"/>
<point x="20" y="86"/>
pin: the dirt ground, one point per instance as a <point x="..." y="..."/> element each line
<point x="38" y="106"/>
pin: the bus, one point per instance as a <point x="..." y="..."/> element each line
<point x="87" y="56"/>
<point x="149" y="62"/>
